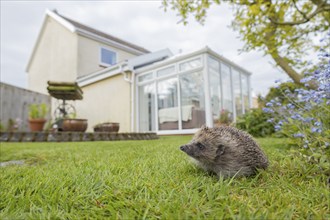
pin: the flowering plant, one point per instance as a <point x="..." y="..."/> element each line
<point x="225" y="117"/>
<point x="305" y="119"/>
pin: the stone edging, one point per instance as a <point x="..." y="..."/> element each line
<point x="72" y="136"/>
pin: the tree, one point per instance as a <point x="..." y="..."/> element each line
<point x="282" y="29"/>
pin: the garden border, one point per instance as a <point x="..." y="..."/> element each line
<point x="73" y="136"/>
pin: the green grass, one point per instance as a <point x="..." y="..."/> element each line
<point x="151" y="180"/>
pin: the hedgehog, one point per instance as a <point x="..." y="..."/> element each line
<point x="226" y="152"/>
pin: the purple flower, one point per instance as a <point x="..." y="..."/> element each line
<point x="268" y="110"/>
<point x="298" y="135"/>
<point x="277" y="127"/>
<point x="316" y="130"/>
<point x="291" y="106"/>
<point x="269" y="104"/>
<point x="270" y="120"/>
<point x="308" y="119"/>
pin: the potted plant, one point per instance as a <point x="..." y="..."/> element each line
<point x="37" y="116"/>
<point x="107" y="127"/>
<point x="72" y="124"/>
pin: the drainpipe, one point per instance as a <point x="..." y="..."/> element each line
<point x="132" y="82"/>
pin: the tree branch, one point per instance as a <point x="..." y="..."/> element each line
<point x="320" y="8"/>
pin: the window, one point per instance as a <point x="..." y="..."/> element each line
<point x="145" y="77"/>
<point x="147" y="116"/>
<point x="168" y="112"/>
<point x="245" y="91"/>
<point x="215" y="88"/>
<point x="227" y="108"/>
<point x="237" y="92"/>
<point x="166" y="71"/>
<point x="192" y="64"/>
<point x="108" y="57"/>
<point x="192" y="100"/>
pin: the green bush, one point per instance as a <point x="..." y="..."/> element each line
<point x="255" y="123"/>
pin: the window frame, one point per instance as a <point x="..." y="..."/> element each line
<point x="100" y="56"/>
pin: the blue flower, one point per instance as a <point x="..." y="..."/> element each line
<point x="268" y="110"/>
<point x="317" y="123"/>
<point x="316" y="130"/>
<point x="277" y="127"/>
<point x="308" y="119"/>
<point x="298" y="135"/>
<point x="269" y="104"/>
<point x="270" y="120"/>
<point x="291" y="106"/>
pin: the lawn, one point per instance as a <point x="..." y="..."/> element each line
<point x="151" y="180"/>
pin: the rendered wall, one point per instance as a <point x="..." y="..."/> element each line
<point x="89" y="55"/>
<point x="106" y="101"/>
<point x="55" y="57"/>
<point x="15" y="103"/>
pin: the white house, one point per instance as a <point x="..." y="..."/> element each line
<point x="142" y="90"/>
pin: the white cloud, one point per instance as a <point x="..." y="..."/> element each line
<point x="141" y="22"/>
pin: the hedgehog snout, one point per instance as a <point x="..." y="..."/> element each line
<point x="183" y="148"/>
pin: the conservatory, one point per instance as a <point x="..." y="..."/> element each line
<point x="180" y="94"/>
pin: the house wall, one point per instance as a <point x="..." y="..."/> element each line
<point x="106" y="101"/>
<point x="89" y="55"/>
<point x="55" y="57"/>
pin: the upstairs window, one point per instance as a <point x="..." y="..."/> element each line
<point x="108" y="57"/>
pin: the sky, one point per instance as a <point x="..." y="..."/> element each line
<point x="144" y="23"/>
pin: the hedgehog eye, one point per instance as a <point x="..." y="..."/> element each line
<point x="200" y="146"/>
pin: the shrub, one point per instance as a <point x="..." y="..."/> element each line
<point x="225" y="117"/>
<point x="305" y="119"/>
<point x="255" y="122"/>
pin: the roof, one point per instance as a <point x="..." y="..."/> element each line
<point x="80" y="26"/>
<point x="149" y="62"/>
<point x="128" y="65"/>
<point x="179" y="57"/>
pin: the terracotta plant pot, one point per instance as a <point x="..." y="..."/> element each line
<point x="76" y="125"/>
<point x="37" y="124"/>
<point x="107" y="127"/>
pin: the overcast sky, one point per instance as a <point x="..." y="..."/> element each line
<point x="140" y="22"/>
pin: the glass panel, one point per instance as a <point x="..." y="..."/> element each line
<point x="245" y="91"/>
<point x="227" y="108"/>
<point x="190" y="64"/>
<point x="165" y="71"/>
<point x="108" y="56"/>
<point x="147" y="107"/>
<point x="192" y="100"/>
<point x="168" y="114"/>
<point x="145" y="77"/>
<point x="237" y="92"/>
<point x="213" y="63"/>
<point x="215" y="88"/>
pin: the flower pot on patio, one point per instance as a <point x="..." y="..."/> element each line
<point x="107" y="127"/>
<point x="72" y="124"/>
<point x="37" y="124"/>
<point x="37" y="116"/>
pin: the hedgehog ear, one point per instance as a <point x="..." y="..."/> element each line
<point x="220" y="150"/>
<point x="204" y="127"/>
